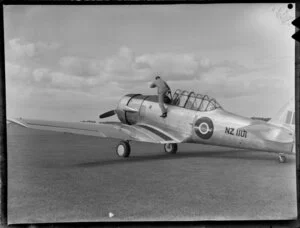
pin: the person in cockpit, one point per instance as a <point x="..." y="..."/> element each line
<point x="162" y="90"/>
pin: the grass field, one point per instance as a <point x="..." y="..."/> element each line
<point x="57" y="177"/>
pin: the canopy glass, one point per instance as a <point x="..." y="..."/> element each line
<point x="197" y="102"/>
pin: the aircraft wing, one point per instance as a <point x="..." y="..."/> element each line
<point x="143" y="133"/>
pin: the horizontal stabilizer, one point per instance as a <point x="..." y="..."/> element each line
<point x="271" y="133"/>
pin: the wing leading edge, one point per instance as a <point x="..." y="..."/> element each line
<point x="143" y="133"/>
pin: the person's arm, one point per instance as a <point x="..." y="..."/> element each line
<point x="152" y="85"/>
<point x="167" y="86"/>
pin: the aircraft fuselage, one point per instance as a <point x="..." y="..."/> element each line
<point x="216" y="127"/>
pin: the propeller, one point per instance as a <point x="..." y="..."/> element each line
<point x="113" y="112"/>
<point x="107" y="114"/>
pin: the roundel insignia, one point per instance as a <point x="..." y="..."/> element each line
<point x="204" y="127"/>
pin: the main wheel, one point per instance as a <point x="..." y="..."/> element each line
<point x="123" y="149"/>
<point x="171" y="148"/>
<point x="282" y="158"/>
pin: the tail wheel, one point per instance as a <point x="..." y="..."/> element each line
<point x="171" y="148"/>
<point x="282" y="158"/>
<point x="123" y="149"/>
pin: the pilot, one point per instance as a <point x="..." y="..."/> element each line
<point x="162" y="90"/>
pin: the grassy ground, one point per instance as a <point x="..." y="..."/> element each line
<point x="57" y="177"/>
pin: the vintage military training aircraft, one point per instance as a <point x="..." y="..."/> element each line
<point x="192" y="118"/>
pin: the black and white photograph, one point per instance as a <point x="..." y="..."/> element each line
<point x="167" y="112"/>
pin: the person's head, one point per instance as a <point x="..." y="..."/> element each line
<point x="157" y="77"/>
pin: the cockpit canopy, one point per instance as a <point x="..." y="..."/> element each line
<point x="197" y="102"/>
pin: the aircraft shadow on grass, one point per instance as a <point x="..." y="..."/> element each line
<point x="236" y="155"/>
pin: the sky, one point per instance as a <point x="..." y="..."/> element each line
<point x="72" y="63"/>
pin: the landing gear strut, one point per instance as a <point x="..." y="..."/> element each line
<point x="171" y="148"/>
<point x="281" y="158"/>
<point x="123" y="149"/>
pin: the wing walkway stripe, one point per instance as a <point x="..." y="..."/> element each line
<point x="46" y="125"/>
<point x="160" y="134"/>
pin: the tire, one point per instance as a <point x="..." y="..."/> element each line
<point x="123" y="149"/>
<point x="171" y="148"/>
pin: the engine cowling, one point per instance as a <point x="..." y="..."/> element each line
<point x="128" y="108"/>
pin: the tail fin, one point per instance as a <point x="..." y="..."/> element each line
<point x="285" y="117"/>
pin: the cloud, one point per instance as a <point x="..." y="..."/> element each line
<point x="45" y="78"/>
<point x="41" y="74"/>
<point x="219" y="84"/>
<point x="42" y="46"/>
<point x="82" y="67"/>
<point x="130" y="72"/>
<point x="126" y="68"/>
<point x="120" y="65"/>
<point x="170" y="65"/>
<point x="233" y="68"/>
<point x="16" y="72"/>
<point x="184" y="71"/>
<point x="61" y="80"/>
<point x="26" y="49"/>
<point x="22" y="49"/>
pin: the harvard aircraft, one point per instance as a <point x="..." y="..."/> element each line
<point x="192" y="118"/>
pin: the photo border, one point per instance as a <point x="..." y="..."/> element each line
<point x="3" y="127"/>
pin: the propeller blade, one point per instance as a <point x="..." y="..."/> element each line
<point x="107" y="114"/>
